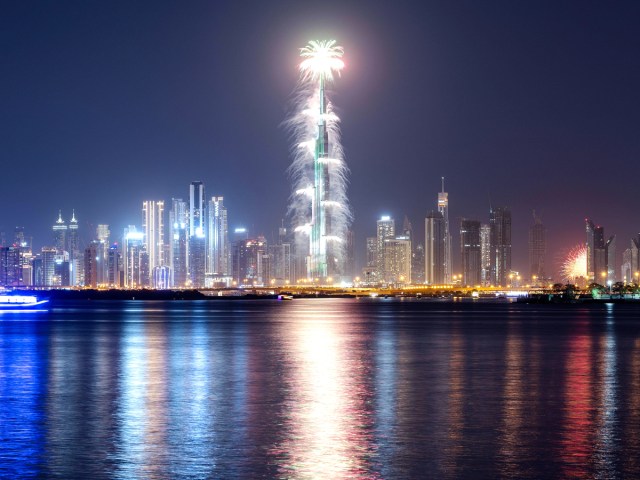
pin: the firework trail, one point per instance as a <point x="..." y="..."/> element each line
<point x="319" y="206"/>
<point x="575" y="264"/>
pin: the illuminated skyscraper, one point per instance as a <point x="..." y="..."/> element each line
<point x="196" y="209"/>
<point x="500" y="223"/>
<point x="320" y="210"/>
<point x="197" y="248"/>
<point x="485" y="254"/>
<point x="434" y="249"/>
<point x="153" y="227"/>
<point x="600" y="254"/>
<point x="114" y="267"/>
<point x="218" y="258"/>
<point x="102" y="235"/>
<point x="178" y="219"/>
<point x="92" y="262"/>
<point x="471" y="252"/>
<point x="135" y="258"/>
<point x="60" y="234"/>
<point x="397" y="260"/>
<point x="443" y="208"/>
<point x="76" y="265"/>
<point x="385" y="229"/>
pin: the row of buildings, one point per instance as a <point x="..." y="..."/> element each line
<point x="485" y="251"/>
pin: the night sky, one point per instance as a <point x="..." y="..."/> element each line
<point x="532" y="105"/>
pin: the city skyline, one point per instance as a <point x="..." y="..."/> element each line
<point x="94" y="114"/>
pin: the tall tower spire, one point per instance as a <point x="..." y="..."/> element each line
<point x="318" y="167"/>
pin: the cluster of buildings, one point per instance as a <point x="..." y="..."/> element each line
<point x="485" y="251"/>
<point x="195" y="249"/>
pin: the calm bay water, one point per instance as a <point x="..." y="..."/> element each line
<point x="320" y="388"/>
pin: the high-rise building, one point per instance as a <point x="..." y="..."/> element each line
<point x="630" y="271"/>
<point x="537" y="249"/>
<point x="47" y="276"/>
<point x="197" y="260"/>
<point x="443" y="208"/>
<point x="248" y="261"/>
<point x="599" y="254"/>
<point x="500" y="223"/>
<point x="417" y="264"/>
<point x="196" y="209"/>
<point x="218" y="252"/>
<point x="397" y="260"/>
<point x="102" y="235"/>
<point x="485" y="254"/>
<point x="10" y="267"/>
<point x="280" y="259"/>
<point x="60" y="234"/>
<point x="135" y="259"/>
<point x="471" y="252"/>
<point x="434" y="249"/>
<point x="610" y="249"/>
<point x="75" y="256"/>
<point x="197" y="244"/>
<point x="92" y="257"/>
<point x="178" y="242"/>
<point x="386" y="229"/>
<point x="153" y="228"/>
<point x="114" y="267"/>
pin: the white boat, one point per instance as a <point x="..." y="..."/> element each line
<point x="22" y="302"/>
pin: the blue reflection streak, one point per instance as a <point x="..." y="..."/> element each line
<point x="23" y="380"/>
<point x="132" y="415"/>
<point x="386" y="397"/>
<point x="609" y="401"/>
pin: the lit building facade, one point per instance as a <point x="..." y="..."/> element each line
<point x="471" y="252"/>
<point x="443" y="208"/>
<point x="385" y="230"/>
<point x="153" y="228"/>
<point x="397" y="260"/>
<point x="135" y="259"/>
<point x="600" y="254"/>
<point x="485" y="254"/>
<point x="434" y="249"/>
<point x="197" y="243"/>
<point x="500" y="223"/>
<point x="218" y="252"/>
<point x="178" y="242"/>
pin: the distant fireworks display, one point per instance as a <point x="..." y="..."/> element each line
<point x="319" y="206"/>
<point x="575" y="264"/>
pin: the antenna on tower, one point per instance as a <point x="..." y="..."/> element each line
<point x="442" y="184"/>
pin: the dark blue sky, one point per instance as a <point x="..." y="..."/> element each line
<point x="535" y="105"/>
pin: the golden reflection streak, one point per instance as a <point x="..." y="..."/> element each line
<point x="456" y="400"/>
<point x="328" y="436"/>
<point x="513" y="413"/>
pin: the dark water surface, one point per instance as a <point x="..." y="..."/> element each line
<point x="320" y="388"/>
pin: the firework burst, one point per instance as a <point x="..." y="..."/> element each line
<point x="575" y="264"/>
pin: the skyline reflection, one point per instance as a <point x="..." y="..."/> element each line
<point x="312" y="388"/>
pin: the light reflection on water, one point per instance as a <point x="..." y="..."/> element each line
<point x="320" y="389"/>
